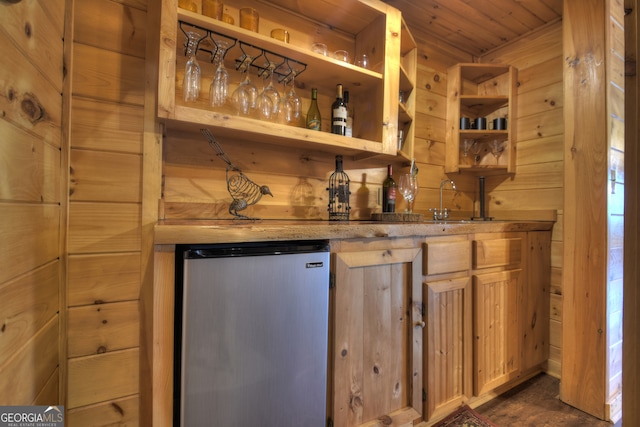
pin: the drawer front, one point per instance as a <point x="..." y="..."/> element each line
<point x="497" y="252"/>
<point x="446" y="257"/>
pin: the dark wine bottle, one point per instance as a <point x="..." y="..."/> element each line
<point x="349" y="128"/>
<point x="389" y="188"/>
<point x="339" y="114"/>
<point x="314" y="121"/>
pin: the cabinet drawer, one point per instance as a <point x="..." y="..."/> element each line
<point x="446" y="257"/>
<point x="497" y="252"/>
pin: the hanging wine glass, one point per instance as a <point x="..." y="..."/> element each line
<point x="497" y="148"/>
<point x="219" y="89"/>
<point x="293" y="112"/>
<point x="192" y="72"/>
<point x="245" y="96"/>
<point x="269" y="98"/>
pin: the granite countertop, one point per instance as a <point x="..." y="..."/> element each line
<point x="234" y="231"/>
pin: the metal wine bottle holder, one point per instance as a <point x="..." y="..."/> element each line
<point x="265" y="61"/>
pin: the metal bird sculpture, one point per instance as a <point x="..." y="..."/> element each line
<point x="243" y="191"/>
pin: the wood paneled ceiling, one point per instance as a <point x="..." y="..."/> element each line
<point x="477" y="26"/>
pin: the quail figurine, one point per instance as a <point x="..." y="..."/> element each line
<point x="243" y="190"/>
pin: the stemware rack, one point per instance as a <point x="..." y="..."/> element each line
<point x="285" y="68"/>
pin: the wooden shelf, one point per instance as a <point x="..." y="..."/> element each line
<point x="481" y="90"/>
<point x="373" y="91"/>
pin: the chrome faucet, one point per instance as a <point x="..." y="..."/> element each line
<point x="439" y="214"/>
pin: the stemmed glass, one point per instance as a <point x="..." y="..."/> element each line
<point x="192" y="71"/>
<point x="290" y="111"/>
<point x="497" y="148"/>
<point x="476" y="149"/>
<point x="269" y="99"/>
<point x="466" y="146"/>
<point x="408" y="187"/>
<point x="219" y="88"/>
<point x="246" y="94"/>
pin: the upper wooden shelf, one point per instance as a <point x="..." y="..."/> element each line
<point x="369" y="27"/>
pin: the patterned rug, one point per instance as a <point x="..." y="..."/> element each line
<point x="465" y="417"/>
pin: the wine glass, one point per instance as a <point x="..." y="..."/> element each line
<point x="466" y="146"/>
<point x="192" y="71"/>
<point x="246" y="94"/>
<point x="268" y="101"/>
<point x="291" y="104"/>
<point x="497" y="148"/>
<point x="476" y="149"/>
<point x="408" y="186"/>
<point x="219" y="89"/>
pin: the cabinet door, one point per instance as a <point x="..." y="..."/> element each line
<point x="496" y="329"/>
<point x="377" y="348"/>
<point x="448" y="343"/>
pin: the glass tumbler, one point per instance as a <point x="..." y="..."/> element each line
<point x="213" y="8"/>
<point x="249" y="19"/>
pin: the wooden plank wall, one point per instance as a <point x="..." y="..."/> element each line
<point x="538" y="182"/>
<point x="32" y="205"/>
<point x="108" y="40"/>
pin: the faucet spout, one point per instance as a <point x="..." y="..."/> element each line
<point x="443" y="213"/>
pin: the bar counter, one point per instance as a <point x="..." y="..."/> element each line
<point x="234" y="231"/>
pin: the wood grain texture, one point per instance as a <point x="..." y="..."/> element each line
<point x="106" y="126"/>
<point x="377" y="304"/>
<point x="496" y="324"/>
<point x="22" y="379"/>
<point x="448" y="345"/>
<point x="103" y="227"/>
<point x="100" y="278"/>
<point x="29" y="168"/>
<point x="119" y="411"/>
<point x="30" y="235"/>
<point x="28" y="303"/>
<point x="585" y="208"/>
<point x="105" y="177"/>
<point x="103" y="377"/>
<point x="32" y="102"/>
<point x="102" y="328"/>
<point x="106" y="75"/>
<point x="127" y="35"/>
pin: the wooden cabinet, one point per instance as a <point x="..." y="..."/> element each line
<point x="512" y="275"/>
<point x="376" y="352"/>
<point x="447" y="336"/>
<point x="486" y="314"/>
<point x="485" y="91"/>
<point x="368" y="27"/>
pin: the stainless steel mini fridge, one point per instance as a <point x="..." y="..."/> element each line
<point x="252" y="334"/>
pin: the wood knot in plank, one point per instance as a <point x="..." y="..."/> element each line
<point x="102" y="349"/>
<point x="30" y="106"/>
<point x="386" y="420"/>
<point x="118" y="408"/>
